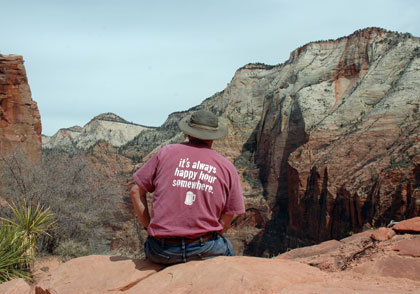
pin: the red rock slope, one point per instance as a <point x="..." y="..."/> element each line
<point x="379" y="261"/>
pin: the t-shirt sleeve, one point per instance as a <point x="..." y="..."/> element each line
<point x="144" y="176"/>
<point x="235" y="201"/>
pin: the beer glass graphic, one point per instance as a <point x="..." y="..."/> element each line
<point x="189" y="198"/>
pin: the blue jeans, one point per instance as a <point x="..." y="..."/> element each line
<point x="158" y="251"/>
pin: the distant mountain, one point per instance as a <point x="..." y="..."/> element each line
<point x="107" y="127"/>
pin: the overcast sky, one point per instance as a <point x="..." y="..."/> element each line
<point x="143" y="60"/>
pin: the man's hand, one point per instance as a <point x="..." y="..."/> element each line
<point x="139" y="199"/>
<point x="226" y="220"/>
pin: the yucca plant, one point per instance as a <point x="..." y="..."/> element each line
<point x="13" y="260"/>
<point x="30" y="222"/>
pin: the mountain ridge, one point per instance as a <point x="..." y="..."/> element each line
<point x="103" y="127"/>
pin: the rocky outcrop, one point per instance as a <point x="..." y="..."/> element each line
<point x="357" y="264"/>
<point x="20" y="122"/>
<point x="63" y="139"/>
<point x="409" y="226"/>
<point x="337" y="143"/>
<point x="107" y="127"/>
<point x="384" y="252"/>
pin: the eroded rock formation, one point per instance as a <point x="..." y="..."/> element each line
<point x="338" y="142"/>
<point x="20" y="122"/>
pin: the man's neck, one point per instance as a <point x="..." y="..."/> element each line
<point x="194" y="139"/>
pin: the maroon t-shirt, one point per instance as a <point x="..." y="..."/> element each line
<point x="193" y="186"/>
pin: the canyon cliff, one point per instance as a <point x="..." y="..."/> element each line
<point x="326" y="143"/>
<point x="20" y="121"/>
<point x="337" y="145"/>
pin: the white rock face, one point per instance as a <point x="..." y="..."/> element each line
<point x="64" y="138"/>
<point x="115" y="133"/>
<point x="105" y="127"/>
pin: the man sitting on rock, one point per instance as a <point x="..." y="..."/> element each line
<point x="197" y="192"/>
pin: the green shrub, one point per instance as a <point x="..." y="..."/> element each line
<point x="13" y="259"/>
<point x="18" y="239"/>
<point x="30" y="223"/>
<point x="69" y="249"/>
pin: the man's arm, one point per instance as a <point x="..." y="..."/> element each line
<point x="226" y="220"/>
<point x="139" y="199"/>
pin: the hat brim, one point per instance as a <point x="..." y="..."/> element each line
<point x="202" y="134"/>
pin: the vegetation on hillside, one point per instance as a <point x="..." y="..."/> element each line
<point x="82" y="198"/>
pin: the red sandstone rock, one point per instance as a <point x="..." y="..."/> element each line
<point x="104" y="274"/>
<point x="409" y="247"/>
<point x="383" y="234"/>
<point x="408" y="226"/>
<point x="97" y="274"/>
<point x="315" y="250"/>
<point x="356" y="264"/>
<point x="17" y="286"/>
<point x="355" y="283"/>
<point x="392" y="266"/>
<point x="20" y="122"/>
<point x="359" y="253"/>
<point x="229" y="275"/>
<point x="43" y="266"/>
<point x="363" y="237"/>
